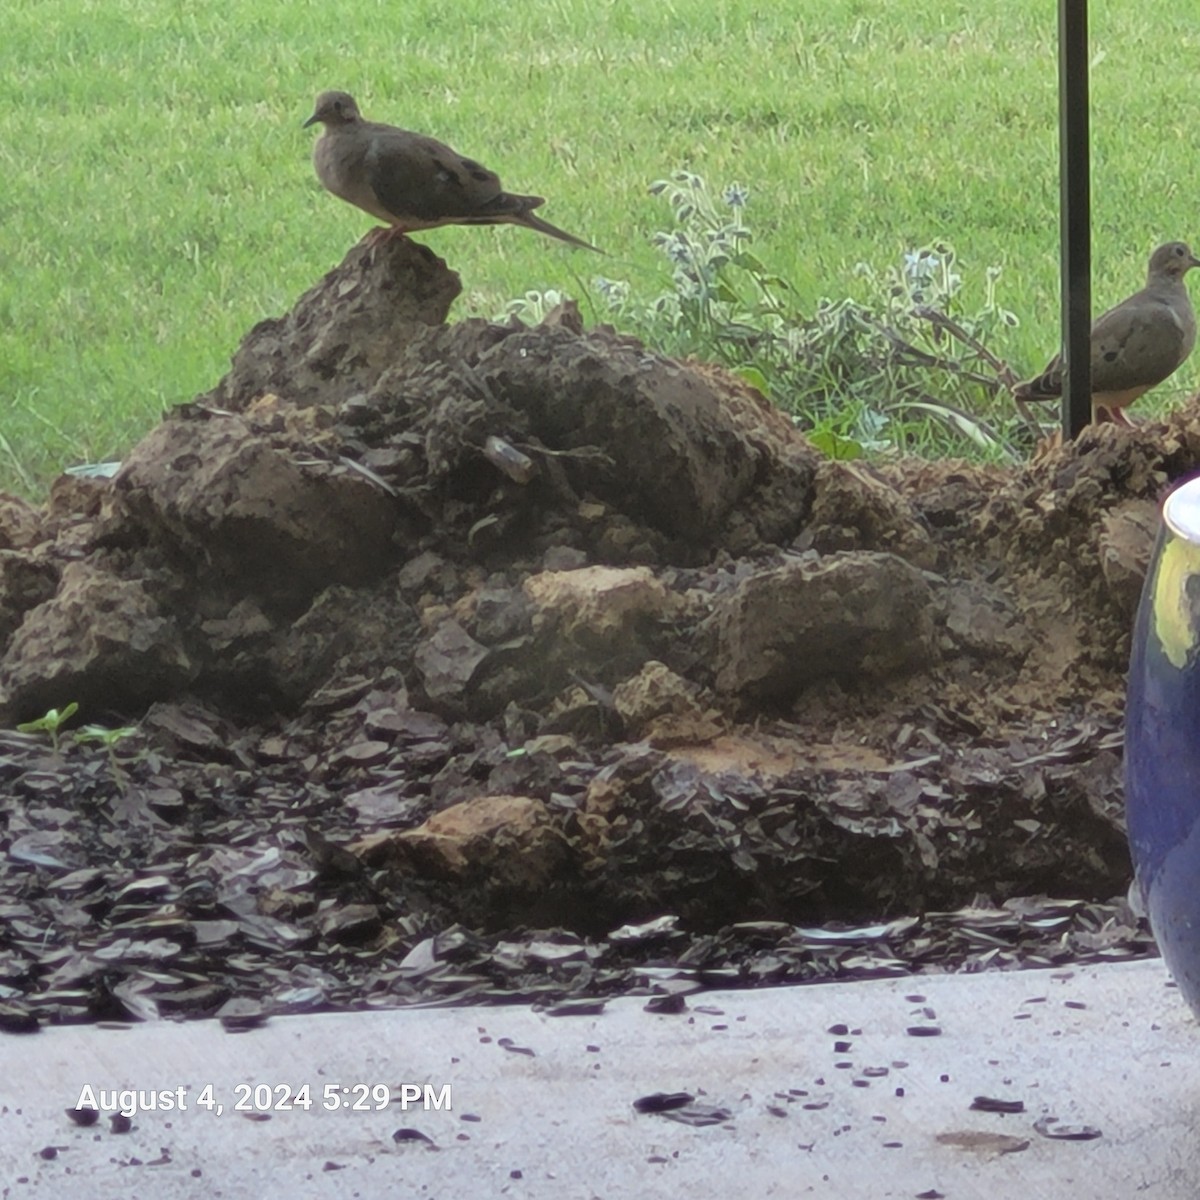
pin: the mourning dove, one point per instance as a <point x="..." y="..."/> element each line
<point x="1137" y="344"/>
<point x="411" y="181"/>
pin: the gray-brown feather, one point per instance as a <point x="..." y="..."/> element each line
<point x="1144" y="348"/>
<point x="1138" y="343"/>
<point x="419" y="179"/>
<point x="410" y="180"/>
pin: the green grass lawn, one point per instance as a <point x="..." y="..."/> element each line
<point x="158" y="196"/>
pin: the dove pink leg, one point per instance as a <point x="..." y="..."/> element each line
<point x="384" y="233"/>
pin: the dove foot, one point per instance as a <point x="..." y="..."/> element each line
<point x="378" y="237"/>
<point x="1114" y="416"/>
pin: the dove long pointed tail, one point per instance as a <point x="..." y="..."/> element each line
<point x="530" y="221"/>
<point x="1046" y="386"/>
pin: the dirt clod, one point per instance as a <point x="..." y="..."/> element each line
<point x="854" y="614"/>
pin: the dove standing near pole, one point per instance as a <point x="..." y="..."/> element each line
<point x="1137" y="344"/>
<point x="411" y="181"/>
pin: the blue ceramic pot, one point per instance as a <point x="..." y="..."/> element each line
<point x="1162" y="740"/>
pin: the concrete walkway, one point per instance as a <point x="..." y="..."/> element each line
<point x="542" y="1107"/>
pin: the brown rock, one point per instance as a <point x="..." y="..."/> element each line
<point x="100" y="641"/>
<point x="982" y="620"/>
<point x="509" y="840"/>
<point x="25" y="582"/>
<point x="653" y="691"/>
<point x="662" y="707"/>
<point x="344" y="332"/>
<point x="345" y="633"/>
<point x="599" y="605"/>
<point x="21" y="525"/>
<point x="243" y="623"/>
<point x="213" y="492"/>
<point x="847" y="616"/>
<point x="680" y="465"/>
<point x="76" y="496"/>
<point x="1126" y="545"/>
<point x="853" y="509"/>
<point x="671" y="446"/>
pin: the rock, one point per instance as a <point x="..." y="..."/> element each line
<point x="509" y="840"/>
<point x="853" y="509"/>
<point x="590" y="626"/>
<point x="343" y="332"/>
<point x="563" y="558"/>
<point x="774" y="509"/>
<point x="74" y="512"/>
<point x="420" y="571"/>
<point x="653" y="691"/>
<point x="241" y="626"/>
<point x="849" y="616"/>
<point x="25" y="582"/>
<point x="675" y="450"/>
<point x="670" y="455"/>
<point x="21" y="525"/>
<point x="599" y="607"/>
<point x="448" y="660"/>
<point x="100" y="641"/>
<point x="216" y="494"/>
<point x="1126" y="545"/>
<point x="346" y="633"/>
<point x="663" y="708"/>
<point x="578" y="712"/>
<point x="500" y="614"/>
<point x="983" y="621"/>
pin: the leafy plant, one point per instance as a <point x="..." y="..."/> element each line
<point x="533" y="306"/>
<point x="109" y="739"/>
<point x="902" y="369"/>
<point x="51" y="723"/>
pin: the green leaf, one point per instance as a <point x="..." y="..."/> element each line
<point x="835" y="446"/>
<point x="103" y="735"/>
<point x="750" y="262"/>
<point x="51" y="721"/>
<point x="755" y="378"/>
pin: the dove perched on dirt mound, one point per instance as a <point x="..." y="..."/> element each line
<point x="411" y="181"/>
<point x="1137" y="344"/>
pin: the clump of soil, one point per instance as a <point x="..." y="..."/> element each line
<point x="433" y="634"/>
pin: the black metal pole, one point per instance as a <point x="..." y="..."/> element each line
<point x="1075" y="214"/>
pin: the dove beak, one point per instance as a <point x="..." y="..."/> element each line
<point x="1193" y="261"/>
<point x="314" y="119"/>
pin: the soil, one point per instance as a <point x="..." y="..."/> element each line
<point x="484" y="661"/>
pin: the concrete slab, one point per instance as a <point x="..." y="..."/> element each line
<point x="873" y="1112"/>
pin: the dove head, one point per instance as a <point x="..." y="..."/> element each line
<point x="1172" y="261"/>
<point x="333" y="109"/>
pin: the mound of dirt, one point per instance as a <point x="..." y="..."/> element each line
<point x="431" y="628"/>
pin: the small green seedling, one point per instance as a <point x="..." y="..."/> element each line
<point x="51" y="723"/>
<point x="109" y="739"/>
